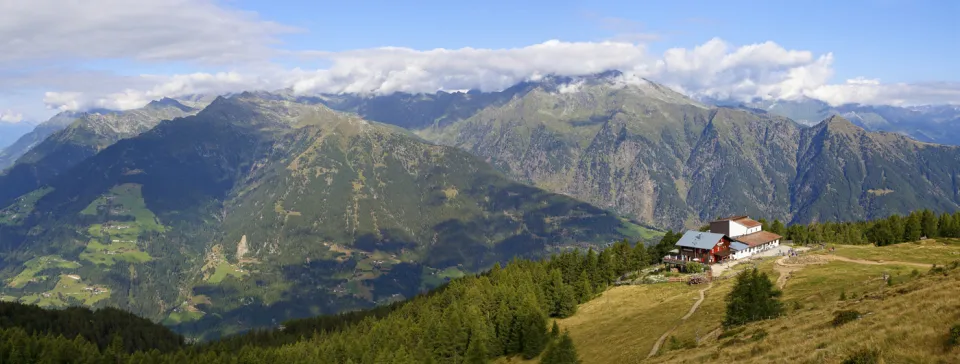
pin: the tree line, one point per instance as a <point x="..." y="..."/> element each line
<point x="894" y="229"/>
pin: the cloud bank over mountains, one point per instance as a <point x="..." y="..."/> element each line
<point x="240" y="51"/>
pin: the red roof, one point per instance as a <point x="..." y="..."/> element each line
<point x="734" y="218"/>
<point x="748" y="222"/>
<point x="758" y="238"/>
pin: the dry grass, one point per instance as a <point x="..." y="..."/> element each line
<point x="623" y="324"/>
<point x="930" y="251"/>
<point x="907" y="321"/>
<point x="626" y="321"/>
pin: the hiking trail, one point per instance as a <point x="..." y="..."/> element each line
<point x="696" y="305"/>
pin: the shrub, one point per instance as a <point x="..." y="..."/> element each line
<point x="863" y="356"/>
<point x="797" y="306"/>
<point x="953" y="339"/>
<point x="914" y="273"/>
<point x="842" y="317"/>
<point x="843" y="295"/>
<point x="694" y="267"/>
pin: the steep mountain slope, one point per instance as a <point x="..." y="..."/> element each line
<point x="664" y="159"/>
<point x="846" y="173"/>
<point x="639" y="148"/>
<point x="260" y="204"/>
<point x="84" y="137"/>
<point x="10" y="154"/>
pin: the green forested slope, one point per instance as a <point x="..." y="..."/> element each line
<point x="261" y="208"/>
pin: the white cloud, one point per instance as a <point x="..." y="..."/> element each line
<point x="715" y="68"/>
<point x="8" y="116"/>
<point x="164" y="86"/>
<point x="569" y="88"/>
<point x="151" y="30"/>
<point x="900" y="94"/>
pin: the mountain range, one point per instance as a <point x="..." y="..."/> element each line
<point x="218" y="215"/>
<point x="664" y="159"/>
<point x="260" y="203"/>
<point x="930" y="123"/>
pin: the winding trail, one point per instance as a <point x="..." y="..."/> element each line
<point x="696" y="305"/>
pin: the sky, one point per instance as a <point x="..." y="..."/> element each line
<point x="61" y="55"/>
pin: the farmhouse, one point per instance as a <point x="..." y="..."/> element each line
<point x="702" y="247"/>
<point x="735" y="237"/>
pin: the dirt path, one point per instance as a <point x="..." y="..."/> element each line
<point x="696" y="305"/>
<point x="786" y="270"/>
<point x="874" y="262"/>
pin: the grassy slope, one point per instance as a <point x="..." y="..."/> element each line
<point x="622" y="324"/>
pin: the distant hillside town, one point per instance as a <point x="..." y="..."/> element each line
<point x="731" y="238"/>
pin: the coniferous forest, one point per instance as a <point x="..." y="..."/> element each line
<point x="505" y="311"/>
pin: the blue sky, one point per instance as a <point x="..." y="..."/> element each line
<point x="896" y="41"/>
<point x="69" y="55"/>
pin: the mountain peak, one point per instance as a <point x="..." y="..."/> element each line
<point x="839" y="124"/>
<point x="168" y="102"/>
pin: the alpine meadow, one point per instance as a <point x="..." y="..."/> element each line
<point x="207" y="181"/>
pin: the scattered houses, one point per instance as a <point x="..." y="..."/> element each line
<point x="735" y="237"/>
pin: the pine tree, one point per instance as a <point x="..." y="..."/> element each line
<point x="641" y="256"/>
<point x="928" y="223"/>
<point x="476" y="351"/>
<point x="945" y="226"/>
<point x="555" y="331"/>
<point x="561" y="352"/>
<point x="777" y="227"/>
<point x="604" y="269"/>
<point x="897" y="228"/>
<point x="567" y="303"/>
<point x="753" y="298"/>
<point x="956" y="225"/>
<point x="590" y="263"/>
<point x="554" y="292"/>
<point x="584" y="288"/>
<point x="913" y="229"/>
<point x="534" y="335"/>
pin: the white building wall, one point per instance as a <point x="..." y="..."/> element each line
<point x="740" y="254"/>
<point x="752" y="230"/>
<point x="736" y="229"/>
